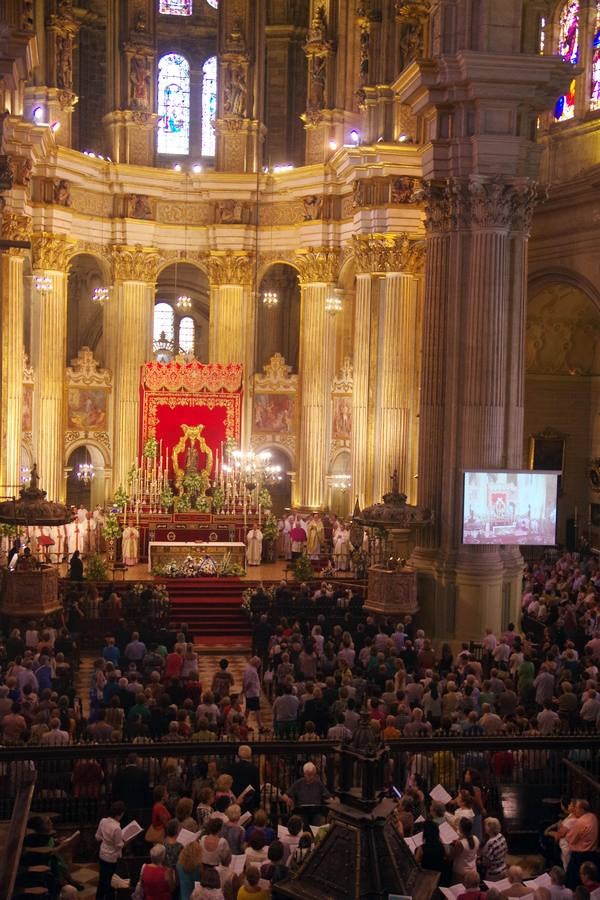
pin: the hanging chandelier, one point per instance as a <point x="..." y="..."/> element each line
<point x="270" y="298"/>
<point x="183" y="302"/>
<point x="85" y="472"/>
<point x="42" y="284"/>
<point x="333" y="302"/>
<point x="100" y="295"/>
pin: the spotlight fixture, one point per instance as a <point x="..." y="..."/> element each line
<point x="333" y="145"/>
<point x="196" y="168"/>
<point x="355" y="136"/>
<point x="177" y="167"/>
<point x="38" y="115"/>
<point x="55" y="127"/>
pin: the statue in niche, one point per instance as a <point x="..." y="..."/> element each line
<point x="192" y="459"/>
<point x="317" y="32"/>
<point x="234" y="95"/>
<point x="411" y="41"/>
<point x="403" y="189"/>
<point x="61" y="193"/>
<point x="235" y="39"/>
<point x="27" y="16"/>
<point x="140" y="23"/>
<point x="318" y="74"/>
<point x="364" y="56"/>
<point x="64" y="63"/>
<point x="139" y="82"/>
<point x="395" y="482"/>
<point x="34" y="478"/>
<point x="313" y="207"/>
<point x="138" y="207"/>
<point x="228" y="212"/>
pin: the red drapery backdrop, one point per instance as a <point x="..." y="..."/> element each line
<point x="181" y="393"/>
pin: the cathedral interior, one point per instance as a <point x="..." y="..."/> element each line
<point x="385" y="211"/>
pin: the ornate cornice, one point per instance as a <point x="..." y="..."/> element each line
<point x="16" y="227"/>
<point x="135" y="263"/>
<point x="318" y="265"/>
<point x="276" y="377"/>
<point x="84" y="370"/>
<point x="52" y="252"/>
<point x="229" y="268"/>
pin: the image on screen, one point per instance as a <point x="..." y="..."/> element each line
<point x="510" y="508"/>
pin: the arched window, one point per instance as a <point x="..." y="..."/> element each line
<point x="568" y="48"/>
<point x="595" y="96"/>
<point x="173" y="104"/>
<point x="164" y="323"/>
<point x="187" y="333"/>
<point x="209" y="105"/>
<point x="175" y="7"/>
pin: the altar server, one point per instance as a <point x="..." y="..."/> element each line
<point x="254" y="541"/>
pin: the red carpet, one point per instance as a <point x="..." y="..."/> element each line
<point x="211" y="607"/>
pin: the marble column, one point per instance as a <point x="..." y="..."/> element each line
<point x="360" y="390"/>
<point x="318" y="269"/>
<point x="51" y="255"/>
<point x="128" y="329"/>
<point x="15" y="227"/>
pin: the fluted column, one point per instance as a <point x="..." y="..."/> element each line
<point x="360" y="391"/>
<point x="51" y="260"/>
<point x="318" y="269"/>
<point x="398" y="366"/>
<point x="15" y="227"/>
<point x="230" y="278"/>
<point x="128" y="330"/>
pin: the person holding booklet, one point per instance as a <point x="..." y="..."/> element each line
<point x="112" y="840"/>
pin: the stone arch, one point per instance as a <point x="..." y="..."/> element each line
<point x="85" y="317"/>
<point x="278" y="327"/>
<point x="563" y="327"/>
<point x="92" y="450"/>
<point x="178" y="277"/>
<point x="281" y="492"/>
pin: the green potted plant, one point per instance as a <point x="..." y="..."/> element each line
<point x="302" y="568"/>
<point x="270" y="533"/>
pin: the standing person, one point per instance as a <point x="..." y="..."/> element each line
<point x="582" y="839"/>
<point x="76" y="567"/>
<point x="110" y="836"/>
<point x="131" y="545"/>
<point x="464" y="850"/>
<point x="254" y="540"/>
<point x="251" y="690"/>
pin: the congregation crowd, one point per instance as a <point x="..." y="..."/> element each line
<point x="538" y="677"/>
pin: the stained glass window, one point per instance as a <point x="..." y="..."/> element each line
<point x="568" y="48"/>
<point x="173" y="104"/>
<point x="595" y="98"/>
<point x="209" y="105"/>
<point x="542" y="41"/>
<point x="175" y="7"/>
<point x="186" y="335"/>
<point x="164" y="329"/>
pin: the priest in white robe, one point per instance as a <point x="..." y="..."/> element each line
<point x="254" y="540"/>
<point x="131" y="545"/>
<point x="341" y="549"/>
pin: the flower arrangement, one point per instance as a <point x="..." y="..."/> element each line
<point x="7" y="530"/>
<point x="150" y="448"/>
<point x="189" y="568"/>
<point x="360" y="561"/>
<point x="270" y="528"/>
<point x="218" y="498"/>
<point x="195" y="483"/>
<point x="328" y="571"/>
<point x="121" y="497"/>
<point x="202" y="504"/>
<point x="111" y="530"/>
<point x="166" y="498"/>
<point x="265" y="499"/>
<point x="227" y="567"/>
<point x="230" y="445"/>
<point x="182" y="503"/>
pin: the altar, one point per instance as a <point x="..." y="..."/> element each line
<point x="161" y="553"/>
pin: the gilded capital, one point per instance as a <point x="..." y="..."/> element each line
<point x="16" y="227"/>
<point x="135" y="263"/>
<point x="51" y="252"/>
<point x="376" y="254"/>
<point x="317" y="265"/>
<point x="229" y="268"/>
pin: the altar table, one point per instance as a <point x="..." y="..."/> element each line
<point x="161" y="553"/>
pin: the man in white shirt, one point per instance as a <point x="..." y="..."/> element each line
<point x="110" y="836"/>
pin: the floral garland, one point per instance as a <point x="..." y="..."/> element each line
<point x="150" y="448"/>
